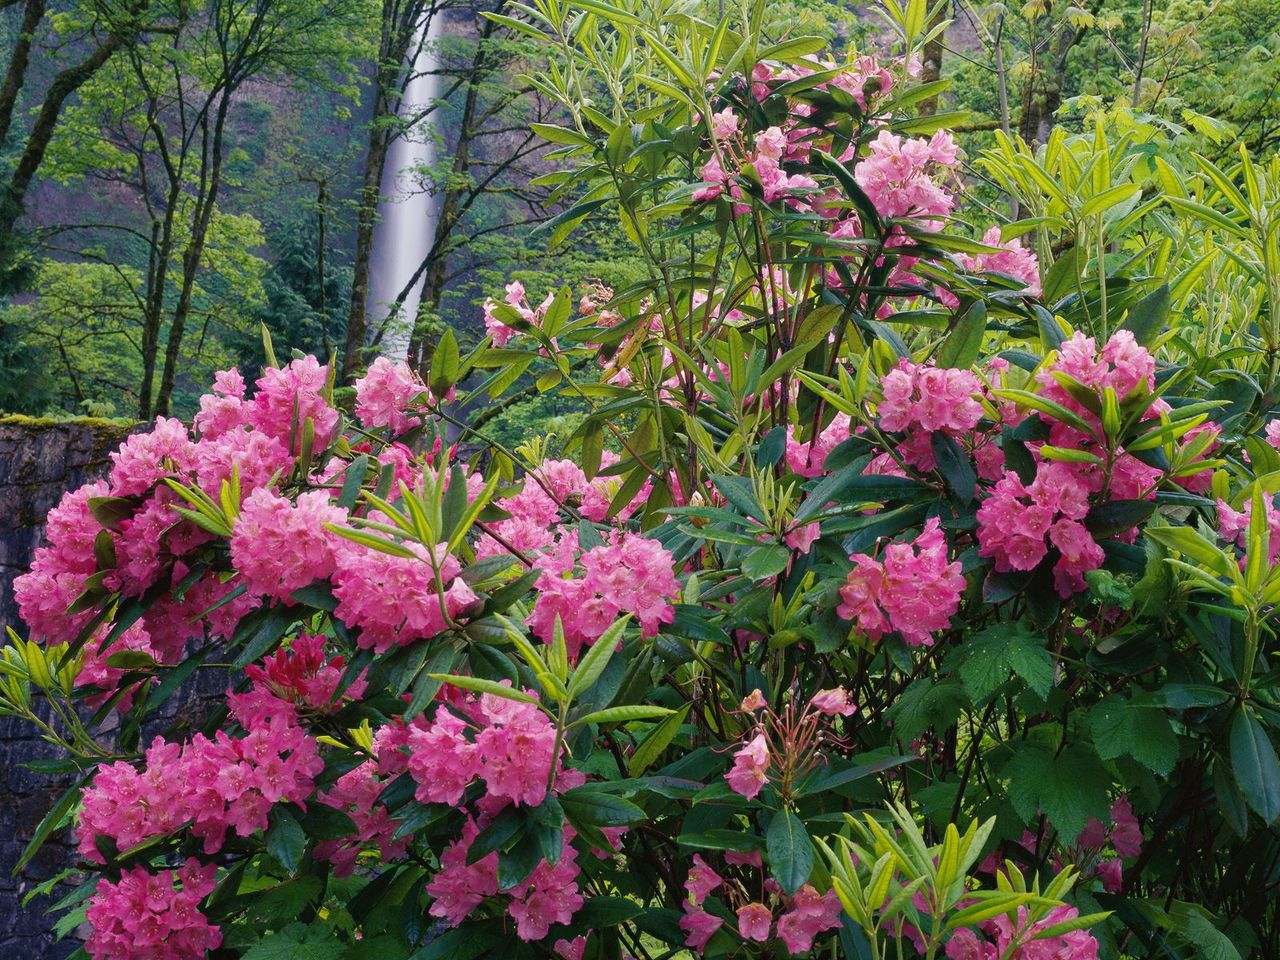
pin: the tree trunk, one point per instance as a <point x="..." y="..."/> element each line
<point x="192" y="255"/>
<point x="14" y="77"/>
<point x="931" y="63"/>
<point x="157" y="277"/>
<point x="63" y="86"/>
<point x="357" y="321"/>
<point x="1042" y="91"/>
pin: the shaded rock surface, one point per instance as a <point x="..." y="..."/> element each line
<point x="39" y="461"/>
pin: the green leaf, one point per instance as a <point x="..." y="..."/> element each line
<point x="111" y="511"/>
<point x="790" y="851"/>
<point x="738" y="491"/>
<point x="962" y="345"/>
<point x="595" y="808"/>
<point x="468" y="942"/>
<point x="1147" y="317"/>
<point x="658" y="740"/>
<point x="1122" y="729"/>
<point x="444" y="364"/>
<point x="622" y="714"/>
<point x="1068" y="788"/>
<point x="352" y="480"/>
<point x="298" y="941"/>
<point x="484" y="686"/>
<point x="597" y="657"/>
<point x="286" y="840"/>
<point x="955" y="466"/>
<point x="58" y="813"/>
<point x="765" y="561"/>
<point x="1254" y="763"/>
<point x="1107" y="199"/>
<point x="600" y="912"/>
<point x="989" y="657"/>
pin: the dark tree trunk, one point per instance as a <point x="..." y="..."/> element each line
<point x="63" y="86"/>
<point x="16" y="75"/>
<point x="357" y="321"/>
<point x="193" y="254"/>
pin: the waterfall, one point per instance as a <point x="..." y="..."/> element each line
<point x="406" y="211"/>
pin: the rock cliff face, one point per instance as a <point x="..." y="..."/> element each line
<point x="39" y="460"/>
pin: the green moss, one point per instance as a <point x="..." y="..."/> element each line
<point x="97" y="424"/>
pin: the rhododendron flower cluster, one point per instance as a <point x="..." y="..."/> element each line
<point x="385" y="392"/>
<point x="1233" y="526"/>
<point x="300" y="678"/>
<point x="509" y="744"/>
<point x="548" y="897"/>
<point x="929" y="398"/>
<point x="629" y="575"/>
<point x="213" y="786"/>
<point x="144" y="917"/>
<point x="807" y="458"/>
<point x="395" y="600"/>
<point x="784" y="746"/>
<point x="800" y="917"/>
<point x="913" y="590"/>
<point x="281" y="545"/>
<point x="1018" y="522"/>
<point x="1012" y="260"/>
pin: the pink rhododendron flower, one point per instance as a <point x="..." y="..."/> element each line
<point x="914" y="591"/>
<point x="810" y="914"/>
<point x="702" y="880"/>
<point x="356" y="794"/>
<point x="750" y="768"/>
<point x="929" y="398"/>
<point x="223" y="409"/>
<point x="385" y="392"/>
<point x="144" y="459"/>
<point x="754" y="922"/>
<point x="802" y="538"/>
<point x="1233" y="526"/>
<point x="698" y="926"/>
<point x="281" y="545"/>
<point x="631" y="575"/>
<point x="897" y="175"/>
<point x="833" y="702"/>
<point x="396" y="600"/>
<point x="216" y="786"/>
<point x="549" y="896"/>
<point x="1273" y="433"/>
<point x="143" y="916"/>
<point x="807" y="458"/>
<point x="298" y="678"/>
<point x="507" y="743"/>
<point x="518" y="747"/>
<point x="1013" y="260"/>
<point x="289" y="396"/>
<point x="753" y="701"/>
<point x="1126" y="832"/>
<point x="459" y="887"/>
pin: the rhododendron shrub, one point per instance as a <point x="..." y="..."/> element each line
<point x="852" y="521"/>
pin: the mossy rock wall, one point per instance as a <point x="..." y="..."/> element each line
<point x="39" y="461"/>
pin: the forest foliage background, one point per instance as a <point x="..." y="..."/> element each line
<point x="178" y="173"/>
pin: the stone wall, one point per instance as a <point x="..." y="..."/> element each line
<point x="39" y="460"/>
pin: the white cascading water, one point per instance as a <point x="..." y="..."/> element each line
<point x="407" y="211"/>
